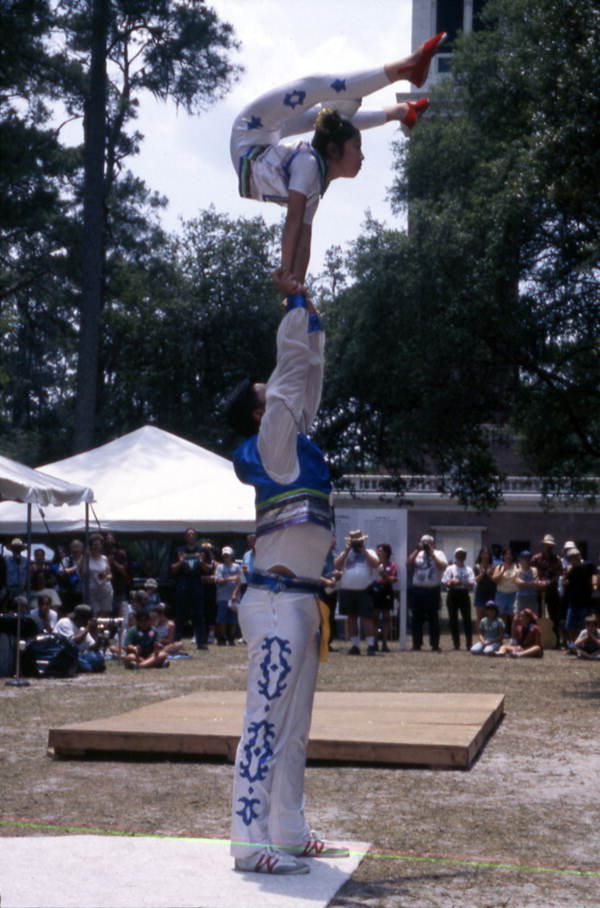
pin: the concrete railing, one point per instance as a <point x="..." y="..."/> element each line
<point x="378" y="484"/>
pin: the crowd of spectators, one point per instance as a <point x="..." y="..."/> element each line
<point x="499" y="604"/>
<point x="512" y="595"/>
<point x="519" y="599"/>
<point x="88" y="596"/>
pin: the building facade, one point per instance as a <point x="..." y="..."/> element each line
<point x="519" y="522"/>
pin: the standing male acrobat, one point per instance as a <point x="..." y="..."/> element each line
<point x="279" y="615"/>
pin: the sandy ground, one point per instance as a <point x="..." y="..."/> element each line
<point x="519" y="829"/>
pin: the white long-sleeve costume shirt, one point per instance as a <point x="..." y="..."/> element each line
<point x="292" y="399"/>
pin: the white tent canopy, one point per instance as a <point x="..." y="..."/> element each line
<point x="21" y="483"/>
<point x="149" y="481"/>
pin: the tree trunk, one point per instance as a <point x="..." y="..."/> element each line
<point x="92" y="247"/>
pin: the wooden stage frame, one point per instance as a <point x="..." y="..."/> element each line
<point x="442" y="731"/>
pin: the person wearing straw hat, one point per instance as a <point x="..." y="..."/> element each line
<point x="358" y="566"/>
<point x="579" y="582"/>
<point x="549" y="568"/>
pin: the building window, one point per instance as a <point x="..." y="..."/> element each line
<point x="450" y="19"/>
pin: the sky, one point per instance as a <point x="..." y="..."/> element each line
<point x="186" y="158"/>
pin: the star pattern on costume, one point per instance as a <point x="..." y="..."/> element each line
<point x="339" y="85"/>
<point x="254" y="123"/>
<point x="294" y="98"/>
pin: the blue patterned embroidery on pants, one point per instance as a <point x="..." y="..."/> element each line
<point x="274" y="668"/>
<point x="257" y="751"/>
<point x="248" y="811"/>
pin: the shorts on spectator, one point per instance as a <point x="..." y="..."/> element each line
<point x="505" y="602"/>
<point x="356" y="603"/>
<point x="383" y="597"/>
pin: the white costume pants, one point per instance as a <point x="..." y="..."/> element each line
<point x="282" y="634"/>
<point x="292" y="109"/>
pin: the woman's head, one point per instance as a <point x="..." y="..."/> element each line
<point x="96" y="542"/>
<point x="338" y="141"/>
<point x="508" y="556"/>
<point x="485" y="555"/>
<point x="384" y="551"/>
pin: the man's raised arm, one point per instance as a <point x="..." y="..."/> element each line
<point x="293" y="390"/>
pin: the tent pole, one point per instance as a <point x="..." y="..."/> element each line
<point x="17" y="681"/>
<point x="86" y="556"/>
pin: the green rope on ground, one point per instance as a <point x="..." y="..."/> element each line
<point x="372" y="855"/>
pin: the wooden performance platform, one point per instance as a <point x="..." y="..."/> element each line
<point x="405" y="729"/>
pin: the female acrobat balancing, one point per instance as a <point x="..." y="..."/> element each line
<point x="297" y="175"/>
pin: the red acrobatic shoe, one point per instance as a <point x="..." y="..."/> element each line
<point x="270" y="860"/>
<point x="315" y="847"/>
<point x="419" y="72"/>
<point x="415" y="109"/>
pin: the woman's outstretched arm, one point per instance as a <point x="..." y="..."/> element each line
<point x="295" y="244"/>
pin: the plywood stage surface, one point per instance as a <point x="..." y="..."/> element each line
<point x="405" y="729"/>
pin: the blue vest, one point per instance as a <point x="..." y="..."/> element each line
<point x="305" y="500"/>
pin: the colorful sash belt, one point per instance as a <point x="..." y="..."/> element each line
<point x="279" y="583"/>
<point x="293" y="508"/>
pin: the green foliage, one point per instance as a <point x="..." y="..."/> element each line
<point x="188" y="319"/>
<point x="174" y="50"/>
<point x="398" y="363"/>
<point x="488" y="312"/>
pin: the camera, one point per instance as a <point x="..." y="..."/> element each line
<point x="356" y="546"/>
<point x="108" y="629"/>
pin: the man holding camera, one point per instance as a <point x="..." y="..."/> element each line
<point x="427" y="564"/>
<point x="80" y="627"/>
<point x="189" y="569"/>
<point x="358" y="565"/>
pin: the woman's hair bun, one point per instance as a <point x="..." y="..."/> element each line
<point x="328" y="122"/>
<point x="331" y="128"/>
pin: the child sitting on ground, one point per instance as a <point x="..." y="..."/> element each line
<point x="587" y="644"/>
<point x="142" y="646"/>
<point x="527" y="640"/>
<point x="491" y="631"/>
<point x="165" y="629"/>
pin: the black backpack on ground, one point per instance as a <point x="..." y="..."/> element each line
<point x="8" y="640"/>
<point x="50" y="656"/>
